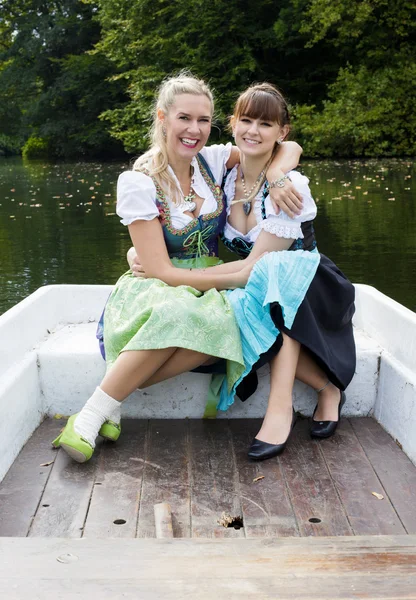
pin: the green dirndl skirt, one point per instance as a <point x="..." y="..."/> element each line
<point x="148" y="314"/>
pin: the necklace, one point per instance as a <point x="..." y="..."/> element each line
<point x="188" y="201"/>
<point x="249" y="194"/>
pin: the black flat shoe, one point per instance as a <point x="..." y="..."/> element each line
<point x="324" y="429"/>
<point x="262" y="450"/>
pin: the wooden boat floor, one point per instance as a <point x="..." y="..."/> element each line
<point x="316" y="488"/>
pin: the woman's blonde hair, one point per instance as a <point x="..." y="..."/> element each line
<point x="155" y="160"/>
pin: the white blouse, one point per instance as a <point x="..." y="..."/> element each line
<point x="136" y="192"/>
<point x="280" y="225"/>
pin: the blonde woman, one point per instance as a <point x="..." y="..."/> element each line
<point x="178" y="317"/>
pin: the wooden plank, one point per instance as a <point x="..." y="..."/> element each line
<point x="246" y="587"/>
<point x="22" y="488"/>
<point x="115" y="499"/>
<point x="163" y="520"/>
<point x="165" y="477"/>
<point x="64" y="504"/>
<point x="355" y="480"/>
<point x="380" y="567"/>
<point x="214" y="479"/>
<point x="394" y="469"/>
<point x="267" y="511"/>
<point x="311" y="488"/>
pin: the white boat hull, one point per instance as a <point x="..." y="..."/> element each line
<point x="50" y="363"/>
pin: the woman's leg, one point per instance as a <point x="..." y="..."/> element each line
<point x="181" y="361"/>
<point x="277" y="421"/>
<point x="328" y="399"/>
<point x="129" y="371"/>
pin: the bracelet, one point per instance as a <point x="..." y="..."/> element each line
<point x="279" y="182"/>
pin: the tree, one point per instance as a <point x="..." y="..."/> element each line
<point x="58" y="88"/>
<point x="370" y="109"/>
<point x="230" y="43"/>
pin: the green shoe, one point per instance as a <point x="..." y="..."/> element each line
<point x="73" y="444"/>
<point x="110" y="431"/>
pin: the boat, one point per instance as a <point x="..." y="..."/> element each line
<point x="328" y="519"/>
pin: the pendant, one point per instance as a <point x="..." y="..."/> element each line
<point x="190" y="206"/>
<point x="188" y="202"/>
<point x="247" y="208"/>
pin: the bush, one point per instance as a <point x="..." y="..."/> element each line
<point x="366" y="114"/>
<point x="9" y="145"/>
<point x="36" y="147"/>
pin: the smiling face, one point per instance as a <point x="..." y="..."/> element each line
<point x="260" y="120"/>
<point x="187" y="125"/>
<point x="257" y="137"/>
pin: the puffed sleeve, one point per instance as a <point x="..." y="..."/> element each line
<point x="136" y="197"/>
<point x="217" y="156"/>
<point x="282" y="225"/>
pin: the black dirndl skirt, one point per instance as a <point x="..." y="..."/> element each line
<point x="323" y="325"/>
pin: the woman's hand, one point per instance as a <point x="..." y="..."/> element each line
<point x="134" y="263"/>
<point x="286" y="198"/>
<point x="241" y="277"/>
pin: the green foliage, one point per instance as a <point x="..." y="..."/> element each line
<point x="9" y="145"/>
<point x="149" y="40"/>
<point x="55" y="88"/>
<point x="370" y="109"/>
<point x="36" y="147"/>
<point x="367" y="114"/>
<point x="82" y="74"/>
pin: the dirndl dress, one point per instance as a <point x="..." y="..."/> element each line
<point x="310" y="301"/>
<point x="148" y="314"/>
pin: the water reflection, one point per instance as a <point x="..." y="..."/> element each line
<point x="58" y="224"/>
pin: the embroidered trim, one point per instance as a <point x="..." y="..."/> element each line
<point x="161" y="199"/>
<point x="283" y="231"/>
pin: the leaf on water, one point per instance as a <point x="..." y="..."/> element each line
<point x="258" y="478"/>
<point x="378" y="496"/>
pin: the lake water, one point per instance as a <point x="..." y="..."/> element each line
<point x="58" y="224"/>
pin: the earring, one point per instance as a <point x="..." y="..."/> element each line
<point x="279" y="141"/>
<point x="164" y="131"/>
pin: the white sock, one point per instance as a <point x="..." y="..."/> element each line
<point x="99" y="408"/>
<point x="116" y="414"/>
